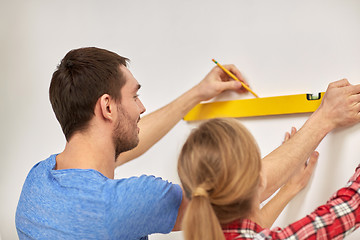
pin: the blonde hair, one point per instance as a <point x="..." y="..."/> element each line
<point x="219" y="168"/>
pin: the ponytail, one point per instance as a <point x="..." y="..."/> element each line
<point x="219" y="169"/>
<point x="200" y="221"/>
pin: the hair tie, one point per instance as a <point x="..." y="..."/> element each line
<point x="200" y="192"/>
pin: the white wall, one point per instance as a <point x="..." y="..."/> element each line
<point x="281" y="46"/>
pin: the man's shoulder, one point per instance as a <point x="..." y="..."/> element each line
<point x="149" y="201"/>
<point x="145" y="187"/>
<point x="42" y="166"/>
<point x="144" y="183"/>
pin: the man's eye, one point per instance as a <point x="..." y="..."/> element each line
<point x="136" y="96"/>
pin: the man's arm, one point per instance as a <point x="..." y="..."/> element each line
<point x="339" y="108"/>
<point x="156" y="124"/>
<point x="181" y="212"/>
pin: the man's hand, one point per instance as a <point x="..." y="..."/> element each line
<point x="217" y="81"/>
<point x="340" y="106"/>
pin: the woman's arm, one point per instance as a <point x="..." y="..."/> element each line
<point x="297" y="182"/>
<point x="334" y="220"/>
<point x="274" y="207"/>
<point x="340" y="107"/>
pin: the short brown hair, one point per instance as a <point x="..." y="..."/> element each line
<point x="84" y="75"/>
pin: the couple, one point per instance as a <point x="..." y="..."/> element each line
<point x="73" y="195"/>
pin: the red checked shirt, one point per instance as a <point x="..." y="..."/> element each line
<point x="334" y="220"/>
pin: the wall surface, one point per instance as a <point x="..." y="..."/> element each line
<point x="281" y="46"/>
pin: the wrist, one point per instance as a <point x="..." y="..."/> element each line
<point x="198" y="93"/>
<point x="319" y="124"/>
<point x="188" y="100"/>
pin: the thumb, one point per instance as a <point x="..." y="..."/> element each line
<point x="231" y="85"/>
<point x="312" y="161"/>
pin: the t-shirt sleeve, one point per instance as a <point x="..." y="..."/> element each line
<point x="143" y="205"/>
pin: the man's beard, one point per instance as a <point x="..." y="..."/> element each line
<point x="125" y="136"/>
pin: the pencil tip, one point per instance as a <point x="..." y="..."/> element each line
<point x="214" y="61"/>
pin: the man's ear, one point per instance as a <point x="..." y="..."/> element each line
<point x="107" y="107"/>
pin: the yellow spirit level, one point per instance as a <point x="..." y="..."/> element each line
<point x="289" y="104"/>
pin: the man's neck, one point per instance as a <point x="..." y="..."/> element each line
<point x="85" y="152"/>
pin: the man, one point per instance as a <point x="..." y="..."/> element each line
<point x="73" y="195"/>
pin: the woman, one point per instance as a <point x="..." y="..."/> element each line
<point x="220" y="170"/>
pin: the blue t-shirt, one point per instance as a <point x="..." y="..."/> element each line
<point x="84" y="204"/>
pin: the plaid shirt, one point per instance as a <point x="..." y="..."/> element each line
<point x="337" y="218"/>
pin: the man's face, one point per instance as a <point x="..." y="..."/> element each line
<point x="126" y="131"/>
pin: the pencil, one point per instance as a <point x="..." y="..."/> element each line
<point x="234" y="77"/>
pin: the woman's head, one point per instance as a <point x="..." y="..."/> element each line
<point x="219" y="168"/>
